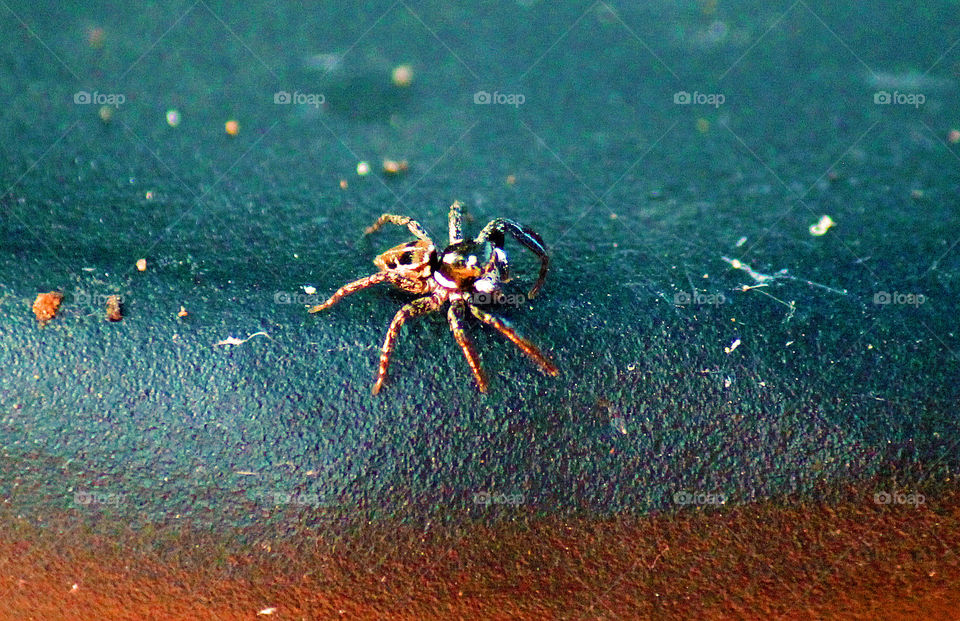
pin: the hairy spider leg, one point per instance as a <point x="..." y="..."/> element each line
<point x="455" y="316"/>
<point x="494" y="233"/>
<point x="456" y="222"/>
<point x="420" y="306"/>
<point x="353" y="287"/>
<point x="410" y="223"/>
<point x="526" y="346"/>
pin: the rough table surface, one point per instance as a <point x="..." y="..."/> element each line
<point x="711" y="343"/>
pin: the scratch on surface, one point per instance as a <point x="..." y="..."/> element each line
<point x="232" y="340"/>
<point x="782" y="274"/>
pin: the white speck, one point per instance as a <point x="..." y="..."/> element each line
<point x="232" y="340"/>
<point x="741" y="241"/>
<point x="735" y="344"/>
<point x="363" y="168"/>
<point x="309" y="290"/>
<point x="266" y="611"/>
<point x="822" y="226"/>
<point x="619" y="424"/>
<point x="173" y="117"/>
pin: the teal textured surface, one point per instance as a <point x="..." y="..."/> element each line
<point x="709" y="342"/>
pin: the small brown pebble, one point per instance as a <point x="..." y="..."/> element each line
<point x="46" y="305"/>
<point x="113" y="308"/>
<point x="402" y="75"/>
<point x="142" y="265"/>
<point x="393" y="167"/>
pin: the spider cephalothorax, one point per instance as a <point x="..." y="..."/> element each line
<point x="462" y="273"/>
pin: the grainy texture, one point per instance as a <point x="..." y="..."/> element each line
<point x="784" y="560"/>
<point x="844" y="375"/>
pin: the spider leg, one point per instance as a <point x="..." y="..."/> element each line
<point x="455" y="317"/>
<point x="353" y="287"/>
<point x="526" y="346"/>
<point x="494" y="232"/>
<point x="420" y="306"/>
<point x="456" y="222"/>
<point x="410" y="223"/>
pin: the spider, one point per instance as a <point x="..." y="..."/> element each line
<point x="465" y="270"/>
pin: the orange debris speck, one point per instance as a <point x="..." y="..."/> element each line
<point x="232" y="127"/>
<point x="95" y="37"/>
<point x="402" y="75"/>
<point x="46" y="305"/>
<point x="142" y="265"/>
<point x="113" y="308"/>
<point x="182" y="313"/>
<point x="393" y="167"/>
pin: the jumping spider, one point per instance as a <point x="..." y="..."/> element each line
<point x="466" y="268"/>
